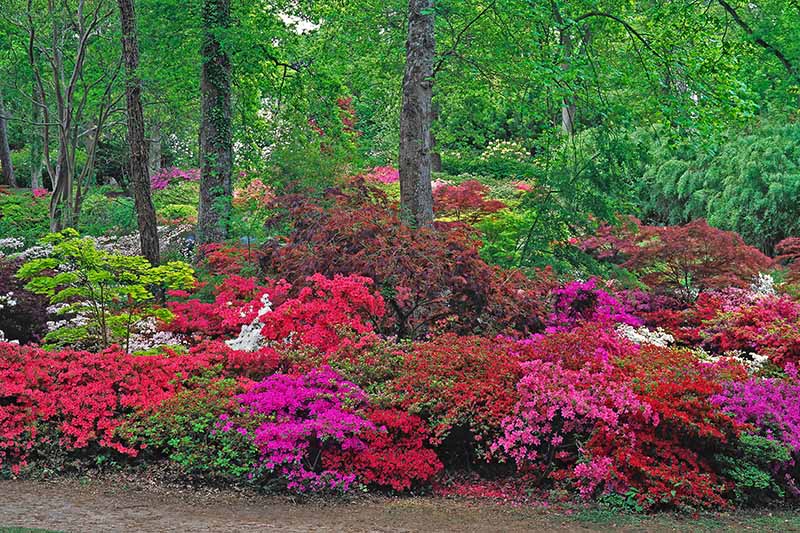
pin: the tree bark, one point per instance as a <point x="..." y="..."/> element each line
<point x="154" y="153"/>
<point x="416" y="117"/>
<point x="140" y="178"/>
<point x="5" y="151"/>
<point x="36" y="145"/>
<point x="568" y="108"/>
<point x="216" y="147"/>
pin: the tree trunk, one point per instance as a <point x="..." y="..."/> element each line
<point x="36" y="146"/>
<point x="568" y="108"/>
<point x="154" y="150"/>
<point x="140" y="178"/>
<point x="416" y="197"/>
<point x="5" y="151"/>
<point x="216" y="147"/>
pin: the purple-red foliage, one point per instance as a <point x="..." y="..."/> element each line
<point x="430" y="278"/>
<point x="679" y="258"/>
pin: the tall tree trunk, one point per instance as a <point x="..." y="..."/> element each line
<point x="416" y="117"/>
<point x="36" y="146"/>
<point x="568" y="108"/>
<point x="216" y="147"/>
<point x="5" y="151"/>
<point x="154" y="149"/>
<point x="140" y="178"/>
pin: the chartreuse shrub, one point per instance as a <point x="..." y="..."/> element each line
<point x="102" y="294"/>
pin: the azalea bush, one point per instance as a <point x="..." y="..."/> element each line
<point x="74" y="401"/>
<point x="303" y="417"/>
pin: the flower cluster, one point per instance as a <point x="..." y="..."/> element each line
<point x="303" y="417"/>
<point x="162" y="179"/>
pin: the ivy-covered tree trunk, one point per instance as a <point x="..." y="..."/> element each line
<point x="5" y="151"/>
<point x="416" y="116"/>
<point x="140" y="178"/>
<point x="216" y="147"/>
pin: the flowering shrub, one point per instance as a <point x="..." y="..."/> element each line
<point x="769" y="326"/>
<point x="466" y="382"/>
<point x="78" y="399"/>
<point x="237" y="301"/>
<point x="396" y="455"/>
<point x="771" y="405"/>
<point x="579" y="301"/>
<point x="164" y="177"/>
<point x="385" y="175"/>
<point x="324" y="312"/>
<point x="559" y="407"/>
<point x="667" y="458"/>
<point x="302" y="417"/>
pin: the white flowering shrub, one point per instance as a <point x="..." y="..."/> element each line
<point x="250" y="338"/>
<point x="751" y="361"/>
<point x="643" y="335"/>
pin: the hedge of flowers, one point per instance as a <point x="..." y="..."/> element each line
<point x="379" y="357"/>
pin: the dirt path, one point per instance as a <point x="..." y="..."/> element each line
<point x="102" y="506"/>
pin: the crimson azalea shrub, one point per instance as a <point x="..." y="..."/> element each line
<point x="300" y="418"/>
<point x="668" y="457"/>
<point x="237" y="301"/>
<point x="78" y="399"/>
<point x="396" y="455"/>
<point x="23" y="314"/>
<point x="768" y="326"/>
<point x="325" y="313"/>
<point x="459" y="382"/>
<point x="429" y="278"/>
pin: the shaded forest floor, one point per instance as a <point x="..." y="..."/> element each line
<point x="70" y="505"/>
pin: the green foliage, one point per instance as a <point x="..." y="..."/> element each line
<point x="107" y="214"/>
<point x="178" y="201"/>
<point x="752" y="470"/>
<point x="746" y="182"/>
<point x="104" y="293"/>
<point x="23" y="216"/>
<point x="583" y="180"/>
<point x="185" y="430"/>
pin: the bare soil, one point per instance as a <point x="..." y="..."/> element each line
<point x="89" y="506"/>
